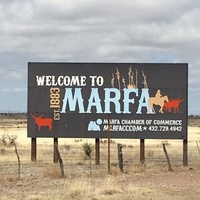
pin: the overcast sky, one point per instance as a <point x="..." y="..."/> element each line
<point x="95" y="30"/>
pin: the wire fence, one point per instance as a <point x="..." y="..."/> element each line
<point x="75" y="160"/>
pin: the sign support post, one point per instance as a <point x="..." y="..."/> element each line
<point x="33" y="149"/>
<point x="55" y="156"/>
<point x="142" y="151"/>
<point x="97" y="151"/>
<point x="185" y="152"/>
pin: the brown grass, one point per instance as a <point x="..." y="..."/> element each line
<point x="7" y="178"/>
<point x="52" y="171"/>
<point x="106" y="188"/>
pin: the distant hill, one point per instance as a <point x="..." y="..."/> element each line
<point x="11" y="111"/>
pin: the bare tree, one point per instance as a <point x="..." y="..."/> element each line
<point x="10" y="140"/>
<point x="60" y="161"/>
<point x="167" y="157"/>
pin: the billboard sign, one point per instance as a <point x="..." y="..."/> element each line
<point x="141" y="100"/>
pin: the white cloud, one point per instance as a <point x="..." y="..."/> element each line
<point x="16" y="90"/>
<point x="85" y="30"/>
<point x="67" y="27"/>
<point x="10" y="74"/>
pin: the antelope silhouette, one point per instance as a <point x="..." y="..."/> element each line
<point x="42" y="121"/>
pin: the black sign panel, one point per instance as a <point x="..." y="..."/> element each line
<point x="140" y="100"/>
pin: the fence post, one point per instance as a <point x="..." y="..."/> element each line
<point x="198" y="147"/>
<point x="167" y="157"/>
<point x="108" y="135"/>
<point x="60" y="161"/>
<point x="120" y="157"/>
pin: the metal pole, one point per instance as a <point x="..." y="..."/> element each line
<point x="108" y="144"/>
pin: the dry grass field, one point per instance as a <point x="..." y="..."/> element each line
<point x="41" y="180"/>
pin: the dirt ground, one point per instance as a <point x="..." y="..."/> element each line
<point x="41" y="179"/>
<point x="175" y="185"/>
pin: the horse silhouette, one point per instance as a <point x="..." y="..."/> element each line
<point x="42" y="121"/>
<point x="157" y="100"/>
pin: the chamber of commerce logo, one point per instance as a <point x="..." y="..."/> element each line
<point x="43" y="122"/>
<point x="94" y="125"/>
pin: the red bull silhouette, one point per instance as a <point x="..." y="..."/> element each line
<point x="172" y="105"/>
<point x="43" y="121"/>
